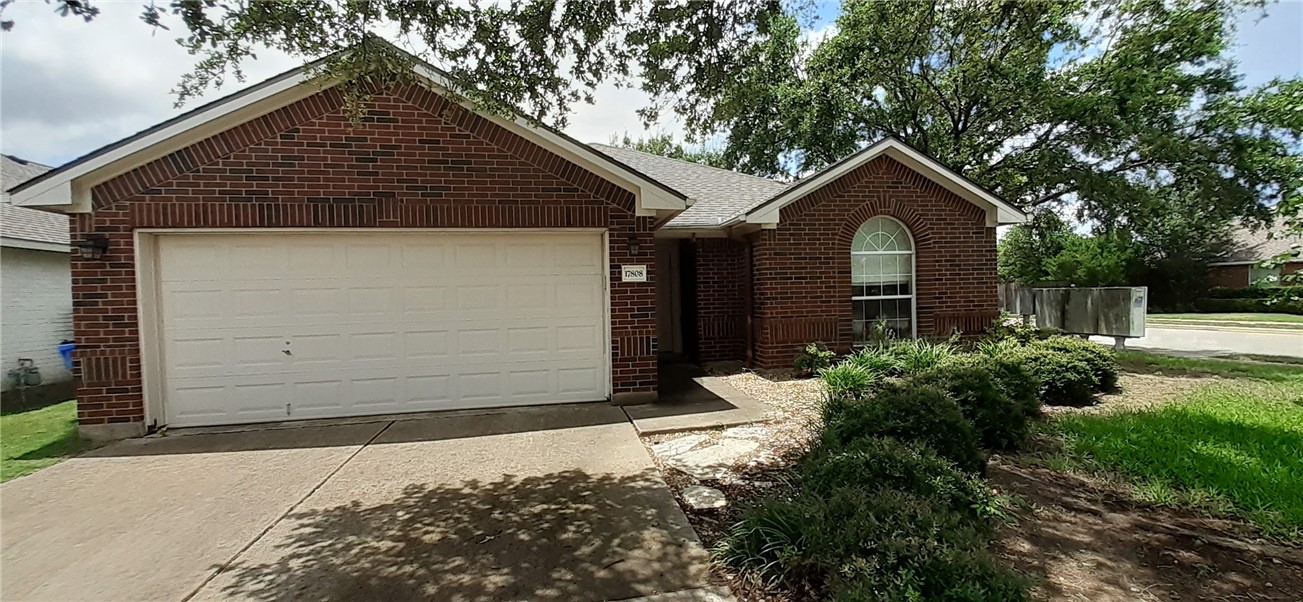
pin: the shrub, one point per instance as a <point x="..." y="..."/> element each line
<point x="1002" y="422"/>
<point x="812" y="359"/>
<point x="877" y="360"/>
<point x="848" y="380"/>
<point x="1283" y="306"/>
<point x="1065" y="379"/>
<point x="997" y="347"/>
<point x="1100" y="359"/>
<point x="1256" y="292"/>
<point x="1016" y="380"/>
<point x="877" y="462"/>
<point x="917" y="355"/>
<point x="923" y="414"/>
<point x="862" y="544"/>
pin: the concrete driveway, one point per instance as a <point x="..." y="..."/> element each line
<point x="553" y="503"/>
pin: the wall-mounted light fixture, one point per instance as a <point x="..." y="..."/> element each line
<point x="93" y="246"/>
<point x="635" y="245"/>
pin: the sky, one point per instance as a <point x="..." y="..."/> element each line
<point x="68" y="87"/>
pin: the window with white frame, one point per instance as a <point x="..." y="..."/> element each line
<point x="882" y="279"/>
<point x="1260" y="276"/>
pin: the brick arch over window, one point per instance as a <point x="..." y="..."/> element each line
<point x="917" y="226"/>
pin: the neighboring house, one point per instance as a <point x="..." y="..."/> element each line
<point x="264" y="258"/>
<point x="36" y="309"/>
<point x="1250" y="247"/>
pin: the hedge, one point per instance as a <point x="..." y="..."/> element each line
<point x="1255" y="292"/>
<point x="1248" y="306"/>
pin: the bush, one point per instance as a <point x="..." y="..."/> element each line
<point x="1065" y="379"/>
<point x="1100" y="359"/>
<point x="922" y="414"/>
<point x="1002" y="422"/>
<point x="1256" y="292"/>
<point x="812" y="359"/>
<point x="916" y="355"/>
<point x="861" y="544"/>
<point x="847" y="380"/>
<point x="878" y="462"/>
<point x="1016" y="380"/>
<point x="997" y="347"/>
<point x="1283" y="306"/>
<point x="876" y="360"/>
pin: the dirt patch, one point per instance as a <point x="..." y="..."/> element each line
<point x="1084" y="542"/>
<point x="1139" y="392"/>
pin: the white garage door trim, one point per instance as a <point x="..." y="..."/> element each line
<point x="149" y="305"/>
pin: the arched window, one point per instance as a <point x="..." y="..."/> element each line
<point x="882" y="279"/>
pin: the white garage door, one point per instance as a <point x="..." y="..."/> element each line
<point x="278" y="326"/>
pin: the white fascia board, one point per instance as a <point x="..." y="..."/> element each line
<point x="57" y="192"/>
<point x="650" y="196"/>
<point x="998" y="212"/>
<point x="35" y="245"/>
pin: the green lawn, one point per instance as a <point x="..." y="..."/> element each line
<point x="1234" y="446"/>
<point x="32" y="440"/>
<point x="1264" y="367"/>
<point x="1228" y="317"/>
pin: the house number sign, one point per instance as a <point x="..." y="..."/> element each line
<point x="633" y="273"/>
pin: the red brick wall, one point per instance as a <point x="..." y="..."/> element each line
<point x="802" y="268"/>
<point x="721" y="301"/>
<point x="1229" y="276"/>
<point x="1293" y="267"/>
<point x="415" y="161"/>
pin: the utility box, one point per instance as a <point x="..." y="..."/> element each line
<point x="1114" y="311"/>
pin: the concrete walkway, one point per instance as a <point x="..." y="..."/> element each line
<point x="1212" y="343"/>
<point x="691" y="400"/>
<point x="550" y="503"/>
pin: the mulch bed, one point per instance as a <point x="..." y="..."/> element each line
<point x="1079" y="538"/>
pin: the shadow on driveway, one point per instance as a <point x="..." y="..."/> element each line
<point x="435" y="426"/>
<point x="561" y="536"/>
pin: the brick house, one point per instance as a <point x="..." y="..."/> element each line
<point x="1249" y="247"/>
<point x="265" y="258"/>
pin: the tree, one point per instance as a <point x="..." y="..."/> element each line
<point x="665" y="146"/>
<point x="535" y="58"/>
<point x="1024" y="251"/>
<point x="1117" y="106"/>
<point x="1103" y="260"/>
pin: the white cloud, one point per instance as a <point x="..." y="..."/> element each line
<point x="68" y="87"/>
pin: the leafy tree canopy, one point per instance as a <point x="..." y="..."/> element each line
<point x="665" y="146"/>
<point x="1123" y="108"/>
<point x="1120" y="107"/>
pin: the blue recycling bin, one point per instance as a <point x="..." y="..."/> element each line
<point x="65" y="351"/>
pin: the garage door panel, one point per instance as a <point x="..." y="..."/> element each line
<point x="361" y="323"/>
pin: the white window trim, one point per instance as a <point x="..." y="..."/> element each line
<point x="913" y="277"/>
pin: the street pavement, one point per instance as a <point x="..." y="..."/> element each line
<point x="1212" y="342"/>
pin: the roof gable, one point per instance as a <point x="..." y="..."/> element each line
<point x="768" y="212"/>
<point x="69" y="187"/>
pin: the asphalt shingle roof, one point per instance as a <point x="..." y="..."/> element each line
<point x="15" y="171"/>
<point x="716" y="194"/>
<point x="23" y="223"/>
<point x="1254" y="245"/>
